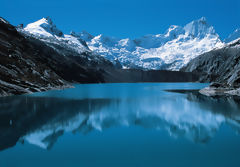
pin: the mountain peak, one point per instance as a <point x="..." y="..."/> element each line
<point x="203" y="19"/>
<point x="47" y="20"/>
<point x="199" y="28"/>
<point x="44" y="27"/>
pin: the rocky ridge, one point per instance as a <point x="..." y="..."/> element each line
<point x="220" y="66"/>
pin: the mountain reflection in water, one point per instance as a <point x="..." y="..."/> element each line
<point x="41" y="120"/>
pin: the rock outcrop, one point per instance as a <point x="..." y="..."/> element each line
<point x="219" y="65"/>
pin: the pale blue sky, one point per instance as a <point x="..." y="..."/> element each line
<point x="124" y="18"/>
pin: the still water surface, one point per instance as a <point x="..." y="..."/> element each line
<point x="113" y="125"/>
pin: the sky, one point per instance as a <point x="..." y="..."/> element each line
<point x="124" y="18"/>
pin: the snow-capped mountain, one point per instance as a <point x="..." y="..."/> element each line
<point x="44" y="27"/>
<point x="171" y="50"/>
<point x="45" y="30"/>
<point x="67" y="45"/>
<point x="235" y="35"/>
<point x="28" y="64"/>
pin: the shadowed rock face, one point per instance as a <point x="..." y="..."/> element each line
<point x="221" y="65"/>
<point x="28" y="64"/>
<point x="18" y="66"/>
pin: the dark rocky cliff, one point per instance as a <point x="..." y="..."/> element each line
<point x="28" y="64"/>
<point x="220" y="65"/>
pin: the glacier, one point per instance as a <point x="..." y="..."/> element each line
<point x="168" y="51"/>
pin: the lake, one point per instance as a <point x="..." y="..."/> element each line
<point x="119" y="125"/>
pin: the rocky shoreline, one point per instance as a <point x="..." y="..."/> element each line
<point x="217" y="89"/>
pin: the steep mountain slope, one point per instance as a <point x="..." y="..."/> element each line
<point x="68" y="45"/>
<point x="19" y="71"/>
<point x="235" y="35"/>
<point x="220" y="65"/>
<point x="29" y="65"/>
<point x="47" y="31"/>
<point x="171" y="50"/>
<point x="44" y="27"/>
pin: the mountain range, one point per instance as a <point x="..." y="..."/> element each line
<point x="40" y="57"/>
<point x="48" y="59"/>
<point x="169" y="51"/>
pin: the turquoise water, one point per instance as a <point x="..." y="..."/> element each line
<point x="140" y="125"/>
